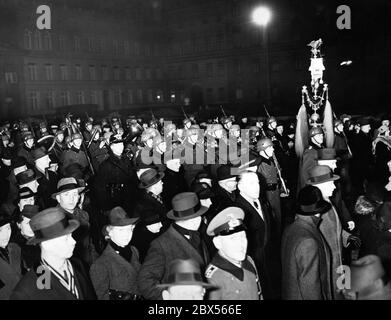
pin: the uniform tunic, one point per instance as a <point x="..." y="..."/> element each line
<point x="232" y="282"/>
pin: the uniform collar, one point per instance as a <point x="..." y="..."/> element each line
<point x="229" y="267"/>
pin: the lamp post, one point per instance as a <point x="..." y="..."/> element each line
<point x="262" y="16"/>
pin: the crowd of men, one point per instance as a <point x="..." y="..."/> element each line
<point x="125" y="209"/>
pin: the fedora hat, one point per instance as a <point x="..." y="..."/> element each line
<point x="29" y="211"/>
<point x="311" y="202"/>
<point x="186" y="205"/>
<point x="27" y="176"/>
<point x="119" y="218"/>
<point x="18" y="162"/>
<point x="51" y="223"/>
<point x="25" y="193"/>
<point x="184" y="273"/>
<point x="149" y="178"/>
<point x="6" y="218"/>
<point x="66" y="184"/>
<point x="321" y="174"/>
<point x="39" y="153"/>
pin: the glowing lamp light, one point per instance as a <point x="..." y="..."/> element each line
<point x="262" y="16"/>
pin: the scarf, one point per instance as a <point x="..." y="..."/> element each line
<point x="124" y="252"/>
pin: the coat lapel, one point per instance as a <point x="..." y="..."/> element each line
<point x="186" y="246"/>
<point x="110" y="254"/>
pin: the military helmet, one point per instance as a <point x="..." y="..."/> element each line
<point x="271" y="119"/>
<point x="264" y="143"/>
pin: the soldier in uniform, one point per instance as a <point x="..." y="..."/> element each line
<point x="231" y="270"/>
<point x="59" y="146"/>
<point x="75" y="155"/>
<point x="25" y="150"/>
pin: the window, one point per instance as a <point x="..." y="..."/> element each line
<point x="37" y="40"/>
<point x="126" y="47"/>
<point x="150" y="96"/>
<point x="50" y="100"/>
<point x="209" y="69"/>
<point x="115" y="47"/>
<point x="138" y="73"/>
<point x="128" y="73"/>
<point x="49" y="72"/>
<point x="78" y="72"/>
<point x="239" y="94"/>
<point x="209" y="94"/>
<point x="101" y="45"/>
<point x="116" y="73"/>
<point x="47" y="40"/>
<point x="65" y="98"/>
<point x="256" y="66"/>
<point x="147" y="50"/>
<point x="32" y="70"/>
<point x="238" y="66"/>
<point x="80" y="97"/>
<point x="76" y="44"/>
<point x="92" y="71"/>
<point x="61" y="42"/>
<point x="90" y="45"/>
<point x="94" y="97"/>
<point x="195" y="70"/>
<point x="159" y="73"/>
<point x="148" y="74"/>
<point x="130" y="97"/>
<point x="221" y="94"/>
<point x="137" y="48"/>
<point x="139" y="95"/>
<point x="11" y="77"/>
<point x="105" y="73"/>
<point x="34" y="100"/>
<point x="221" y="68"/>
<point x="28" y="42"/>
<point x="64" y="72"/>
<point x="159" y="95"/>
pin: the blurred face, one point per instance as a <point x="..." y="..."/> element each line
<point x="273" y="125"/>
<point x="23" y="202"/>
<point x="219" y="134"/>
<point x="19" y="170"/>
<point x="206" y="202"/>
<point x="60" y="137"/>
<point x="233" y="246"/>
<point x="7" y="162"/>
<point x="236" y="133"/>
<point x="69" y="199"/>
<point x="185" y="292"/>
<point x="25" y="228"/>
<point x="207" y="181"/>
<point x="385" y="123"/>
<point x="117" y="148"/>
<point x="61" y="247"/>
<point x="77" y="143"/>
<point x="280" y="130"/>
<point x="318" y="138"/>
<point x="327" y="188"/>
<point x="121" y="236"/>
<point x="30" y="143"/>
<point x="43" y="162"/>
<point x="366" y="128"/>
<point x="174" y="165"/>
<point x="89" y="127"/>
<point x="5" y="235"/>
<point x="332" y="164"/>
<point x="162" y="147"/>
<point x="229" y="184"/>
<point x="190" y="224"/>
<point x="179" y="132"/>
<point x="249" y="185"/>
<point x="155" y="227"/>
<point x="269" y="151"/>
<point x="188" y="125"/>
<point x="96" y="136"/>
<point x="340" y="127"/>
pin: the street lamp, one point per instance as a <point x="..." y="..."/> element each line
<point x="262" y="16"/>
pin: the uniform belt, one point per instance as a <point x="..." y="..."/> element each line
<point x="271" y="187"/>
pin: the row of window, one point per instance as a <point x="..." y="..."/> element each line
<point x="43" y="40"/>
<point x="92" y="72"/>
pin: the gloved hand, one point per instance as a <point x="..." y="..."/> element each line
<point x="351" y="225"/>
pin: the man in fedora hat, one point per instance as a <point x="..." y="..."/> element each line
<point x="231" y="270"/>
<point x="29" y="179"/>
<point x="57" y="276"/>
<point x="225" y="187"/>
<point x="305" y="254"/>
<point x="185" y="281"/>
<point x="331" y="227"/>
<point x="10" y="258"/>
<point x="181" y="241"/>
<point x="48" y="183"/>
<point x="150" y="195"/>
<point x="114" y="273"/>
<point x="67" y="198"/>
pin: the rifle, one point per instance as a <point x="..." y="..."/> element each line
<point x="222" y="110"/>
<point x="267" y="112"/>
